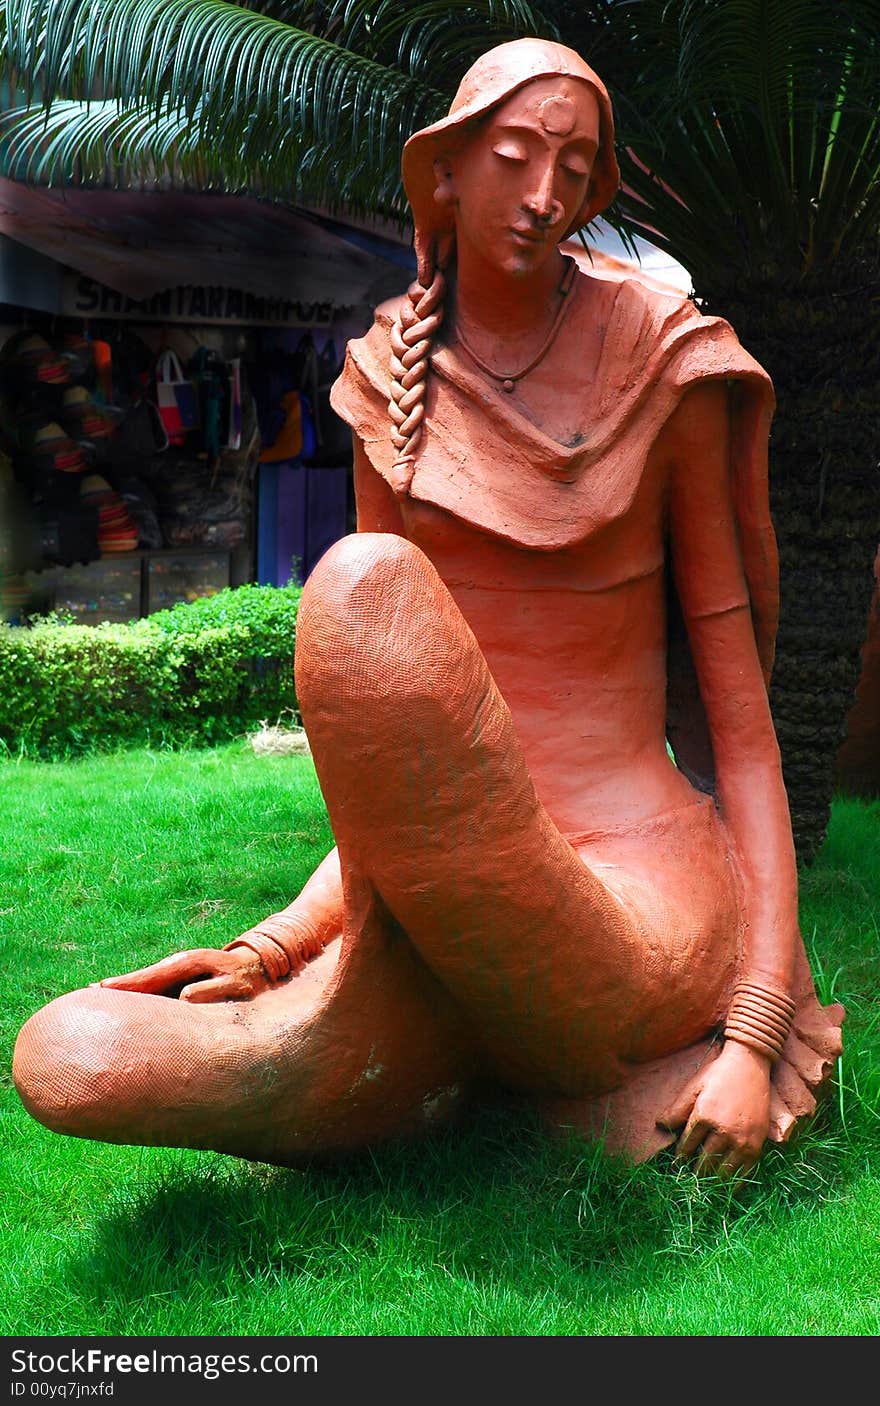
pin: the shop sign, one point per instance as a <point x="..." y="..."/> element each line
<point x="224" y="307"/>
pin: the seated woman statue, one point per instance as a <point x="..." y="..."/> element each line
<point x="564" y="576"/>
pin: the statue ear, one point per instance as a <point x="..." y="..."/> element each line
<point x="444" y="192"/>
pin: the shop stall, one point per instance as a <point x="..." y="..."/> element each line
<point x="164" y="433"/>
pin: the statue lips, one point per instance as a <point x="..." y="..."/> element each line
<point x="525" y="236"/>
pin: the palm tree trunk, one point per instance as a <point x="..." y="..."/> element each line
<point x="820" y="343"/>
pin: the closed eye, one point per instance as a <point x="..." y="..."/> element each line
<point x="509" y="151"/>
<point x="576" y="166"/>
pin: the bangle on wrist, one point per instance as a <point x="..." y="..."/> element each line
<point x="297" y="937"/>
<point x="274" y="959"/>
<point x="759" y="1017"/>
<point x="284" y="943"/>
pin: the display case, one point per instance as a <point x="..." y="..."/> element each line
<point x="173" y="576"/>
<point x="105" y="590"/>
<point x="130" y="584"/>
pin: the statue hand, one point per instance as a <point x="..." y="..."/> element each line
<point x="725" y="1112"/>
<point x="203" y="974"/>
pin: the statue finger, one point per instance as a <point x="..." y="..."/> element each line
<point x="158" y="976"/>
<point x="692" y="1137"/>
<point x="714" y="1148"/>
<point x="736" y="1165"/>
<point x="678" y="1112"/>
<point x="217" y="988"/>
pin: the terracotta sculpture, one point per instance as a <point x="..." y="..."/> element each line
<point x="564" y="559"/>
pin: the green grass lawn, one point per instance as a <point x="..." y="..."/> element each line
<point x="487" y="1229"/>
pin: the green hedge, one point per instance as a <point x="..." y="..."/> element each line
<point x="195" y="674"/>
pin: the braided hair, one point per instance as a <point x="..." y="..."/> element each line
<point x="421" y="315"/>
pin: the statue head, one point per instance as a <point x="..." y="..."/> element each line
<point x="443" y="170"/>
<point x="495" y="77"/>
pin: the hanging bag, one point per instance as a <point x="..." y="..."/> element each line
<point x="210" y="375"/>
<point x="176" y="398"/>
<point x="141" y="433"/>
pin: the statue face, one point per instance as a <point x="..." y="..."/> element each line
<point x="521" y="179"/>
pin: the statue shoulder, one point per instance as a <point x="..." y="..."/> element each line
<point x="386" y="313"/>
<point x="361" y="393"/>
<point x="365" y="374"/>
<point x="656" y="329"/>
<point x="636" y="282"/>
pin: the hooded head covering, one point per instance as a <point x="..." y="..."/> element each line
<point x="494" y="77"/>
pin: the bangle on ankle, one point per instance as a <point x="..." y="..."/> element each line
<point x="272" y="955"/>
<point x="759" y="1017"/>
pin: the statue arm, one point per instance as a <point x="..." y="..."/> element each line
<point x="279" y="945"/>
<point x="714" y="598"/>
<point x="726" y="1111"/>
<point x="377" y="508"/>
<point x="303" y="928"/>
<point x="315" y="916"/>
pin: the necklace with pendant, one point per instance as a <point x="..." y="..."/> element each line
<point x="508" y="379"/>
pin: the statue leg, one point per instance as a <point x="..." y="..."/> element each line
<point x="360" y="1046"/>
<point x="476" y="940"/>
<point x="431" y="801"/>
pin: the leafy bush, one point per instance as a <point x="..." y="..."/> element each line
<point x="198" y="673"/>
<point x="268" y="610"/>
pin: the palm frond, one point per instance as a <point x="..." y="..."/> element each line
<point x="101" y="143"/>
<point x="247" y="87"/>
<point x="93" y="143"/>
<point x="778" y="103"/>
<point x="274" y="105"/>
<point x="431" y="38"/>
<point x="749" y="130"/>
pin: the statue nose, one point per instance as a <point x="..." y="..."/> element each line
<point x="540" y="201"/>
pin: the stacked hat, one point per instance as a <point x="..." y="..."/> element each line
<point x="31" y="359"/>
<point x="116" y="531"/>
<point x="53" y="449"/>
<point x="83" y="417"/>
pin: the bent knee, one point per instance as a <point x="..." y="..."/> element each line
<point x="377" y="623"/>
<point x="361" y="556"/>
<point x="71" y="1062"/>
<point x="117" y="1065"/>
<point x="362" y="575"/>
